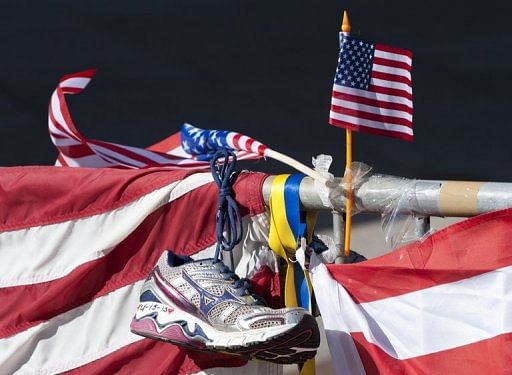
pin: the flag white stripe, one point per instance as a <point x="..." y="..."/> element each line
<point x="229" y="139"/>
<point x="427" y="321"/>
<point x="49" y="251"/>
<point x="55" y="107"/>
<point x="391" y="70"/>
<point x="75" y="82"/>
<point x="393" y="56"/>
<point x="371" y="109"/>
<point x="72" y="339"/>
<point x="370" y="123"/>
<point x="64" y="141"/>
<point x="373" y="95"/>
<point x="242" y="142"/>
<point x="179" y="151"/>
<point x="90" y="161"/>
<point x="391" y="84"/>
<point x="130" y="162"/>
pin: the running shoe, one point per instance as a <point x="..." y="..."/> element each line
<point x="202" y="305"/>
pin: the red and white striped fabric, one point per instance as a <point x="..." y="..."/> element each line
<point x="372" y="89"/>
<point x="440" y="306"/>
<point x="75" y="246"/>
<point x="77" y="151"/>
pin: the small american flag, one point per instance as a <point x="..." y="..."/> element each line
<point x="372" y="89"/>
<point x="203" y="143"/>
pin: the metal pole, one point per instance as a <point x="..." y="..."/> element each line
<point x="421" y="225"/>
<point x="380" y="193"/>
<point x="338" y="232"/>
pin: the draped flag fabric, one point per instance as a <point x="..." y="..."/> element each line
<point x="189" y="149"/>
<point x="372" y="89"/>
<point x="440" y="306"/>
<point x="75" y="246"/>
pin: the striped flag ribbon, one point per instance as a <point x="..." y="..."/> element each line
<point x="372" y="89"/>
<point x="189" y="149"/>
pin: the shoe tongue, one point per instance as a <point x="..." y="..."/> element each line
<point x="251" y="298"/>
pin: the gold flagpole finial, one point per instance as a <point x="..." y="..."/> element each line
<point x="345" y="24"/>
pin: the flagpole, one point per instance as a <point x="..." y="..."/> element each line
<point x="345" y="29"/>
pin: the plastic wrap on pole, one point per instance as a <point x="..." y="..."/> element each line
<point x="322" y="163"/>
<point x="374" y="193"/>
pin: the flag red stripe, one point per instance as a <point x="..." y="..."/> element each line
<point x="89" y="73"/>
<point x="236" y="140"/>
<point x="168" y="144"/>
<point x="261" y="149"/>
<point x="397" y="50"/>
<point x="248" y="144"/>
<point x="28" y="305"/>
<point x="491" y="356"/>
<point x="372" y="102"/>
<point x="390" y="91"/>
<point x="391" y="77"/>
<point x="391" y="63"/>
<point x="160" y="357"/>
<point x="366" y="129"/>
<point x="71" y="90"/>
<point x="372" y="116"/>
<point x="390" y="275"/>
<point x="57" y="194"/>
<point x="76" y="151"/>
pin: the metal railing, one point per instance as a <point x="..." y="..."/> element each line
<point x="419" y="198"/>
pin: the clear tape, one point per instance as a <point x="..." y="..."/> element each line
<point x="398" y="225"/>
<point x="339" y="186"/>
<point x="322" y="163"/>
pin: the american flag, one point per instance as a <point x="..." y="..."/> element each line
<point x="189" y="149"/>
<point x="203" y="143"/>
<point x="442" y="305"/>
<point x="372" y="89"/>
<point x="76" y="245"/>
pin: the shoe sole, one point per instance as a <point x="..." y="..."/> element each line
<point x="295" y="345"/>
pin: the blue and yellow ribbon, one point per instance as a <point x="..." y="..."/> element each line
<point x="287" y="225"/>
